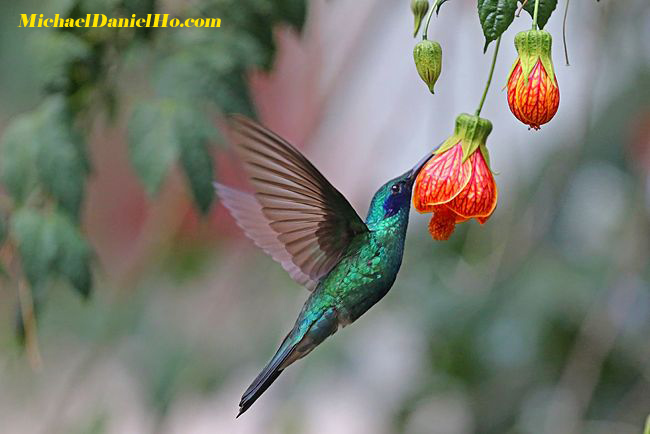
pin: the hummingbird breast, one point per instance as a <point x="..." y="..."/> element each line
<point x="364" y="277"/>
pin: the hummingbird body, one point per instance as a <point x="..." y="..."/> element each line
<point x="305" y="224"/>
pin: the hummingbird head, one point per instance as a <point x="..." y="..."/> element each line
<point x="395" y="196"/>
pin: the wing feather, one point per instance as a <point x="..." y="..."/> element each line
<point x="295" y="214"/>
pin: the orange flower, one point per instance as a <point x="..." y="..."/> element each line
<point x="533" y="92"/>
<point x="457" y="183"/>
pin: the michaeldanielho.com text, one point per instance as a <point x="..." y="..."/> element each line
<point x="101" y="20"/>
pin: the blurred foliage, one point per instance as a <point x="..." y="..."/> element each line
<point x="196" y="75"/>
<point x="549" y="300"/>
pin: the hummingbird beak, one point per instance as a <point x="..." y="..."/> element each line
<point x="413" y="173"/>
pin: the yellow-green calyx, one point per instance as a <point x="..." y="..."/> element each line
<point x="533" y="45"/>
<point x="472" y="132"/>
<point x="419" y="9"/>
<point x="428" y="61"/>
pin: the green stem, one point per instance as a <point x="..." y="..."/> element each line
<point x="489" y="80"/>
<point x="535" y="14"/>
<point x="426" y="26"/>
<point x="566" y="51"/>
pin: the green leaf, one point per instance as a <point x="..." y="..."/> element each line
<point x="41" y="148"/>
<point x="37" y="244"/>
<point x="61" y="166"/>
<point x="438" y="4"/>
<point x="20" y="147"/>
<point x="153" y="142"/>
<point x="50" y="244"/>
<point x="546" y="8"/>
<point x="197" y="164"/>
<point x="73" y="260"/>
<point x="53" y="51"/>
<point x="3" y="227"/>
<point x="647" y="426"/>
<point x="495" y="17"/>
<point x="180" y="131"/>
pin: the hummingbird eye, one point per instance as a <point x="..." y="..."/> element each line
<point x="396" y="188"/>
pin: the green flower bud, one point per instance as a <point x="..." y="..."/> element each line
<point x="419" y="8"/>
<point x="428" y="61"/>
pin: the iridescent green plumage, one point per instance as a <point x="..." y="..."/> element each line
<point x="304" y="223"/>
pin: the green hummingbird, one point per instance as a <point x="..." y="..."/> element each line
<point x="307" y="225"/>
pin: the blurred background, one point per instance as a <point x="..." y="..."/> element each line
<point x="536" y="322"/>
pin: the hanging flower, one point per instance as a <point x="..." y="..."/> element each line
<point x="457" y="184"/>
<point x="533" y="92"/>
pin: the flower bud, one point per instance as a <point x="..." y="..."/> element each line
<point x="428" y="61"/>
<point x="533" y="92"/>
<point x="419" y="9"/>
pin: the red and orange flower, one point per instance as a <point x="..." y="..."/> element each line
<point x="457" y="184"/>
<point x="533" y="92"/>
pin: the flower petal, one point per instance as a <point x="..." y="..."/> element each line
<point x="513" y="82"/>
<point x="479" y="197"/>
<point x="442" y="224"/>
<point x="538" y="99"/>
<point x="444" y="176"/>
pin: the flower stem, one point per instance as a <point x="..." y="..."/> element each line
<point x="535" y="14"/>
<point x="426" y="26"/>
<point x="489" y="80"/>
<point x="566" y="51"/>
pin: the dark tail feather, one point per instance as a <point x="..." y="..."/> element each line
<point x="265" y="378"/>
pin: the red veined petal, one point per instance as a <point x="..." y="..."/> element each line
<point x="513" y="82"/>
<point x="444" y="176"/>
<point x="479" y="197"/>
<point x="537" y="101"/>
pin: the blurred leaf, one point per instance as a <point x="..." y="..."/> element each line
<point x="164" y="130"/>
<point x="153" y="142"/>
<point x="196" y="159"/>
<point x="647" y="426"/>
<point x="50" y="243"/>
<point x="53" y="51"/>
<point x="20" y="146"/>
<point x="73" y="260"/>
<point x="3" y="227"/>
<point x="61" y="166"/>
<point x="292" y="12"/>
<point x="495" y="16"/>
<point x="41" y="147"/>
<point x="37" y="243"/>
<point x="546" y="8"/>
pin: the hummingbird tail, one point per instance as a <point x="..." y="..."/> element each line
<point x="265" y="378"/>
<point x="296" y="345"/>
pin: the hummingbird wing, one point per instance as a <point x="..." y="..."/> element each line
<point x="295" y="214"/>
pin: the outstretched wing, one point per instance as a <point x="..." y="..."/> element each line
<point x="295" y="214"/>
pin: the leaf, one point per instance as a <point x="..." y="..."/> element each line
<point x="50" y="244"/>
<point x="20" y="147"/>
<point x="180" y="131"/>
<point x="438" y="4"/>
<point x="198" y="167"/>
<point x="41" y="148"/>
<point x="546" y="8"/>
<point x="62" y="168"/>
<point x="495" y="16"/>
<point x="52" y="52"/>
<point x="37" y="244"/>
<point x="74" y="254"/>
<point x="153" y="144"/>
<point x="3" y="227"/>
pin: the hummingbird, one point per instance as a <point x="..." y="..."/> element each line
<point x="297" y="217"/>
